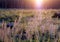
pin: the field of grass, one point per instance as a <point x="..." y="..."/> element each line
<point x="29" y="25"/>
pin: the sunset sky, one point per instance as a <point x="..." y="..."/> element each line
<point x="30" y="4"/>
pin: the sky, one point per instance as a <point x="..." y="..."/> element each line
<point x="30" y="4"/>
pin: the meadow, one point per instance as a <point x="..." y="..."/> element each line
<point x="18" y="25"/>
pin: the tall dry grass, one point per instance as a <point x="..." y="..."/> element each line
<point x="32" y="29"/>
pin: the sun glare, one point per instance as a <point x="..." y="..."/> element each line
<point x="38" y="3"/>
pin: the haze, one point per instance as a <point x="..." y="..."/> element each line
<point x="29" y="4"/>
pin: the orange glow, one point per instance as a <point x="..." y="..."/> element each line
<point x="38" y="3"/>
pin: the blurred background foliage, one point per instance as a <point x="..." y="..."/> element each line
<point x="8" y="17"/>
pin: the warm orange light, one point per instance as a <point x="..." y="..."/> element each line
<point x="38" y="3"/>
